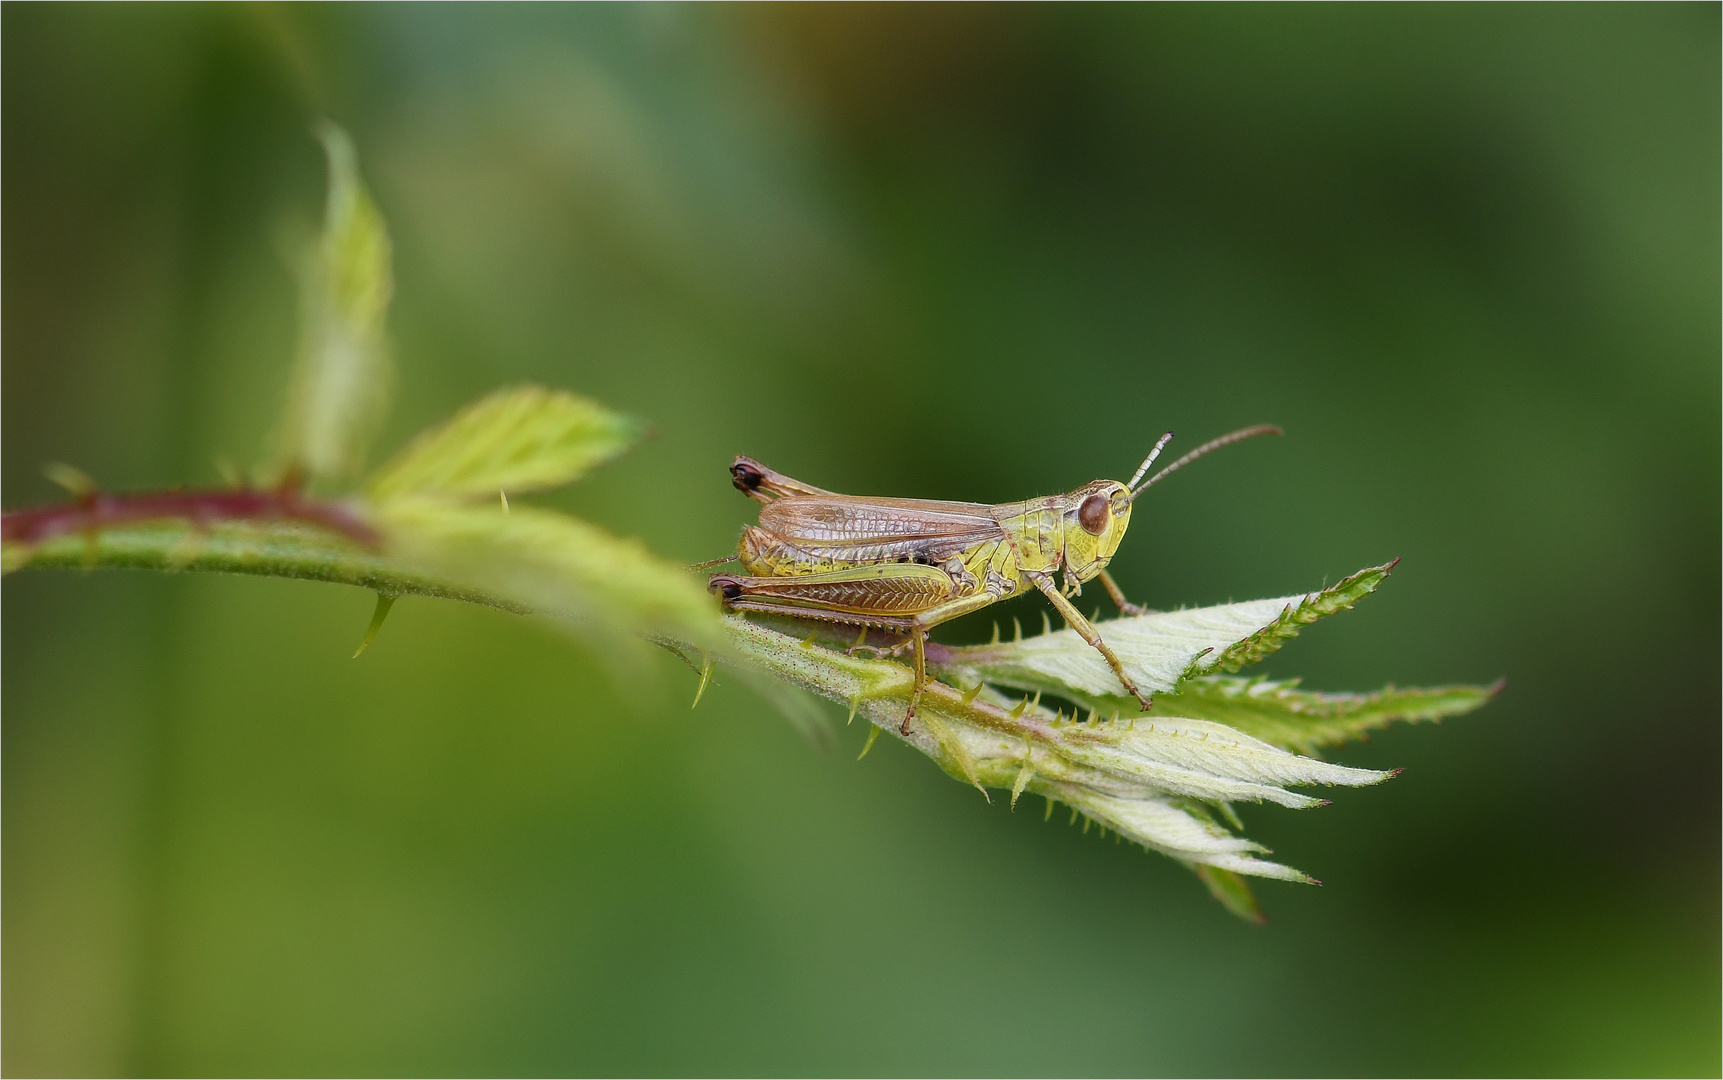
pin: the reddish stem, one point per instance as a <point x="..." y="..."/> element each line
<point x="202" y="508"/>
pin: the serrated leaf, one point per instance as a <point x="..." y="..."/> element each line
<point x="553" y="563"/>
<point x="1158" y="650"/>
<point x="342" y="378"/>
<point x="1203" y="760"/>
<point x="1303" y="721"/>
<point x="517" y="440"/>
<point x="1162" y="825"/>
<point x="1153" y="781"/>
<point x="1286" y="625"/>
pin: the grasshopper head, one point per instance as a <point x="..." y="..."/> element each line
<point x="1097" y="513"/>
<point x="1095" y="520"/>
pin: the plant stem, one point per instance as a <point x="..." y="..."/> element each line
<point x="96" y="511"/>
<point x="288" y="538"/>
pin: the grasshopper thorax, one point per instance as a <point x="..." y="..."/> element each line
<point x="1095" y="518"/>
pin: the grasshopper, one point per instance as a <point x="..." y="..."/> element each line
<point x="908" y="565"/>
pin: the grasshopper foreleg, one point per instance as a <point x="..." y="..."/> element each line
<point x="1118" y="595"/>
<point x="1087" y="632"/>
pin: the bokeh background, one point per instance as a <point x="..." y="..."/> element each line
<point x="1468" y="256"/>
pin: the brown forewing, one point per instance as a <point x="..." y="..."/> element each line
<point x="839" y="521"/>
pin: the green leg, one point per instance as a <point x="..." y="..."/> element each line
<point x="920" y="637"/>
<point x="1088" y="633"/>
<point x="1118" y="595"/>
<point x="926" y="621"/>
<point x="811" y="596"/>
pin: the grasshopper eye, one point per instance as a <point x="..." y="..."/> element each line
<point x="1093" y="515"/>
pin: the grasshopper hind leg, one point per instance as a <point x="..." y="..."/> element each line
<point x="919" y="637"/>
<point x="905" y="598"/>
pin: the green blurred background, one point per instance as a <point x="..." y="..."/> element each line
<point x="1467" y="255"/>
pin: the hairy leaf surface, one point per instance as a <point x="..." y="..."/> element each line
<point x="1159" y="649"/>
<point x="1304" y="721"/>
<point x="517" y="440"/>
<point x="552" y="563"/>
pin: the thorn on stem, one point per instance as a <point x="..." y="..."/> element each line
<point x="385" y="601"/>
<point x="705" y="679"/>
<point x="872" y="735"/>
<point x="504" y="496"/>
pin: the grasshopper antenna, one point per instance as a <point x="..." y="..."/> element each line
<point x="1213" y="444"/>
<point x="710" y="563"/>
<point x="1150" y="460"/>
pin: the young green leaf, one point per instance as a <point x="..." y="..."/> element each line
<point x="342" y="378"/>
<point x="1204" y="760"/>
<point x="552" y="563"/>
<point x="1285" y="626"/>
<point x="1304" y="721"/>
<point x="517" y="440"/>
<point x="1136" y="777"/>
<point x="1166" y="826"/>
<point x="1158" y="650"/>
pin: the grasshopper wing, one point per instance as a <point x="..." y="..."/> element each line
<point x="884" y="528"/>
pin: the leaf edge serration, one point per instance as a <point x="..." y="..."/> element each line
<point x="1341" y="596"/>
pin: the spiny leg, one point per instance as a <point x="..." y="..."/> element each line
<point x="920" y="637"/>
<point x="1087" y="632"/>
<point x="817" y="596"/>
<point x="1118" y="595"/>
<point x="927" y="620"/>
